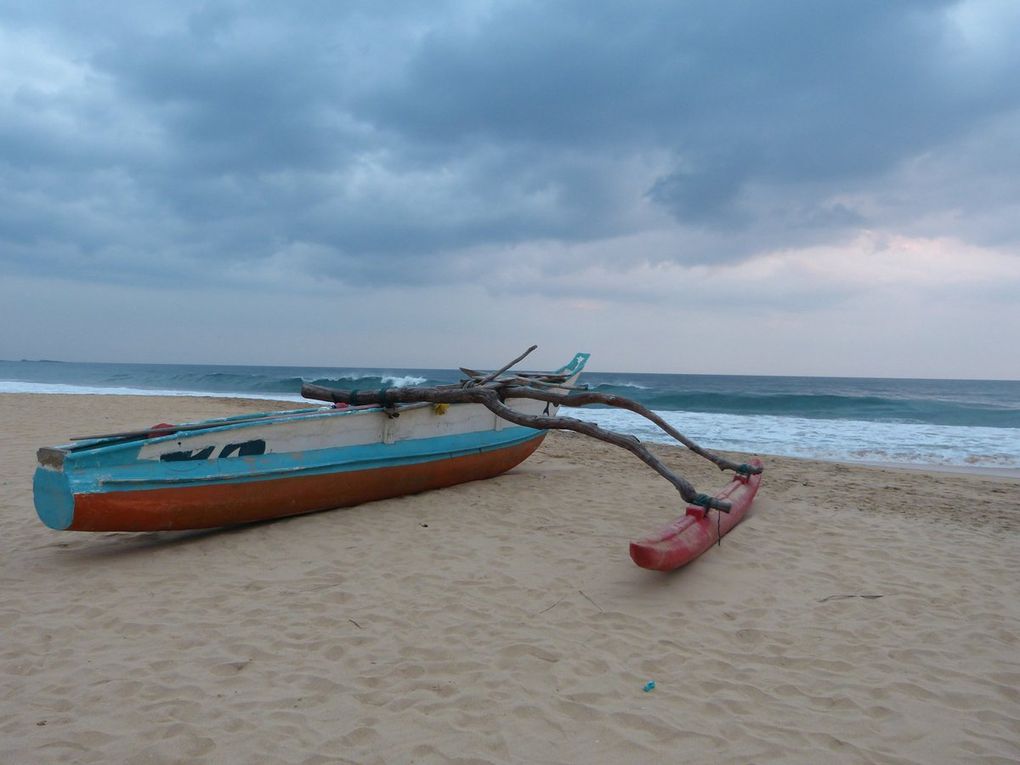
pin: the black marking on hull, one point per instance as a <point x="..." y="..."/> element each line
<point x="203" y="454"/>
<point x="245" y="449"/>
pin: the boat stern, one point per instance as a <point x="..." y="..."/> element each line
<point x="575" y="367"/>
<point x="51" y="491"/>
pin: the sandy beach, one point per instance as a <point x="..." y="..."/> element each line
<point x="858" y="615"/>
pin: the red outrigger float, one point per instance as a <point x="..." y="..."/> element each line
<point x="694" y="532"/>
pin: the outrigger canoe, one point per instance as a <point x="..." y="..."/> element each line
<point x="699" y="528"/>
<point x="257" y="467"/>
<point x="366" y="445"/>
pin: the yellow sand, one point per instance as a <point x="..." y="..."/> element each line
<point x="503" y="621"/>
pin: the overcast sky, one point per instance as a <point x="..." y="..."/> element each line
<point x="790" y="187"/>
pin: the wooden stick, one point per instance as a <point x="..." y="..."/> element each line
<point x="548" y="378"/>
<point x="132" y="435"/>
<point x="554" y="381"/>
<point x="493" y="375"/>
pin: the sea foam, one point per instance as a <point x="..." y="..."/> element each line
<point x="844" y="440"/>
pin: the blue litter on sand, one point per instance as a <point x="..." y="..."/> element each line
<point x="649" y="686"/>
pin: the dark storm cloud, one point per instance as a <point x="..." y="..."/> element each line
<point x="156" y="142"/>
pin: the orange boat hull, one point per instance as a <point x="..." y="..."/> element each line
<point x="208" y="506"/>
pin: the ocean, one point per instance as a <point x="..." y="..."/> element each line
<point x="951" y="423"/>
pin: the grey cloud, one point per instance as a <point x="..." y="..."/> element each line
<point x="706" y="195"/>
<point x="395" y="139"/>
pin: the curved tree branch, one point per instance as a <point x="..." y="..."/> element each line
<point x="488" y="395"/>
<point x="583" y="398"/>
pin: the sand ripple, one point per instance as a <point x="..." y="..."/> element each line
<point x="502" y="621"/>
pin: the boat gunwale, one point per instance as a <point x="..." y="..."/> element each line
<point x="363" y="463"/>
<point x="217" y="425"/>
<point x="75" y="449"/>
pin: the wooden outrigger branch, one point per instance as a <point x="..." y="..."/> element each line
<point x="491" y="390"/>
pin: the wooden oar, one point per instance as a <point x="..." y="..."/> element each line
<point x="493" y="375"/>
<point x="165" y="428"/>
